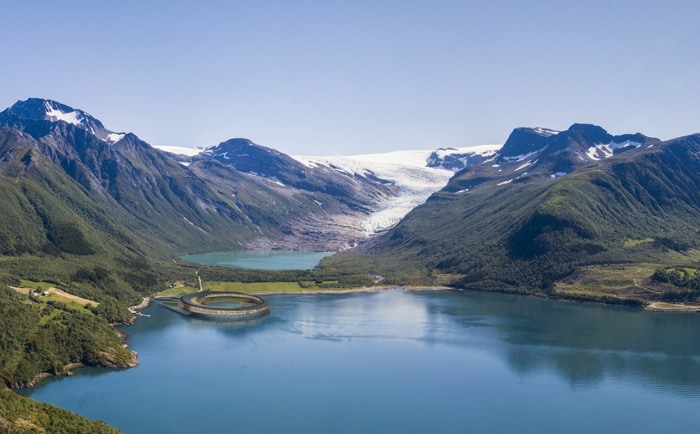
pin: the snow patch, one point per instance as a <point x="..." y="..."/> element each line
<point x="483" y="150"/>
<point x="179" y="150"/>
<point x="545" y="131"/>
<point x="625" y="144"/>
<point x="505" y="182"/>
<point x="113" y="138"/>
<point x="607" y="150"/>
<point x="522" y="156"/>
<point x="53" y="114"/>
<point x="524" y="165"/>
<point x="592" y="152"/>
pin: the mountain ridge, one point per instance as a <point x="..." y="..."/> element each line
<point x="130" y="171"/>
<point x="145" y="182"/>
<point x="239" y="184"/>
<point x="573" y="199"/>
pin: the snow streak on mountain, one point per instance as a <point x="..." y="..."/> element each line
<point x="407" y="170"/>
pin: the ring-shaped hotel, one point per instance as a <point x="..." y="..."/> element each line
<point x="199" y="304"/>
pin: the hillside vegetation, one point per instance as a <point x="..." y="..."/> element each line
<point x="47" y="337"/>
<point x="527" y="233"/>
<point x="22" y="415"/>
<point x="103" y="217"/>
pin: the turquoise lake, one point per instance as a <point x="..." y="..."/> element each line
<point x="401" y="362"/>
<point x="260" y="259"/>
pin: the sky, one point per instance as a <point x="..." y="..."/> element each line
<point x="333" y="77"/>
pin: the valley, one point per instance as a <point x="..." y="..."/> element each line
<point x="520" y="217"/>
<point x="96" y="220"/>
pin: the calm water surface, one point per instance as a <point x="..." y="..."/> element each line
<point x="402" y="362"/>
<point x="261" y="259"/>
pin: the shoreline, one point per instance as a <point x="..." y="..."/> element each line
<point x="660" y="306"/>
<point x="68" y="369"/>
<point x="366" y="289"/>
<point x="327" y="291"/>
<point x="650" y="306"/>
<point x="144" y="304"/>
<point x="66" y="372"/>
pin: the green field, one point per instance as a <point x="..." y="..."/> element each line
<point x="610" y="282"/>
<point x="256" y="287"/>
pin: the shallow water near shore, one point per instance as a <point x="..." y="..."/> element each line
<point x="401" y="362"/>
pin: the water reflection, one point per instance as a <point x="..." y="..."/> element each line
<point x="397" y="362"/>
<point x="583" y="344"/>
<point x="351" y="317"/>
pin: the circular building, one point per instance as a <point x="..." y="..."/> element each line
<point x="224" y="306"/>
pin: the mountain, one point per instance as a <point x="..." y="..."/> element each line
<point x="141" y="188"/>
<point x="25" y="114"/>
<point x="377" y="189"/>
<point x="536" y="209"/>
<point x="359" y="192"/>
<point x="550" y="203"/>
<point x="75" y="187"/>
<point x="261" y="198"/>
<point x="318" y="207"/>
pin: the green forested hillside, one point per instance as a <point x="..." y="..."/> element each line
<point x="45" y="337"/>
<point x="525" y="234"/>
<point x="106" y="220"/>
<point x="22" y="415"/>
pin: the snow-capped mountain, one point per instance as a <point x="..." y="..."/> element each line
<point x="36" y="109"/>
<point x="281" y="201"/>
<point x="412" y="175"/>
<point x="269" y="200"/>
<point x="586" y="142"/>
<point x="549" y="203"/>
<point x="540" y="154"/>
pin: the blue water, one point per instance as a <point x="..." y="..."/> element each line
<point x="402" y="362"/>
<point x="261" y="259"/>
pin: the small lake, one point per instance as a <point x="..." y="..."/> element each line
<point x="401" y="362"/>
<point x="261" y="259"/>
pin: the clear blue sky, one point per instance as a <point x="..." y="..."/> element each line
<point x="339" y="77"/>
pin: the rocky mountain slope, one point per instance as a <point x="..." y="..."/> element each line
<point x="551" y="202"/>
<point x="260" y="198"/>
<point x="518" y="216"/>
<point x="73" y="186"/>
<point x="398" y="182"/>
